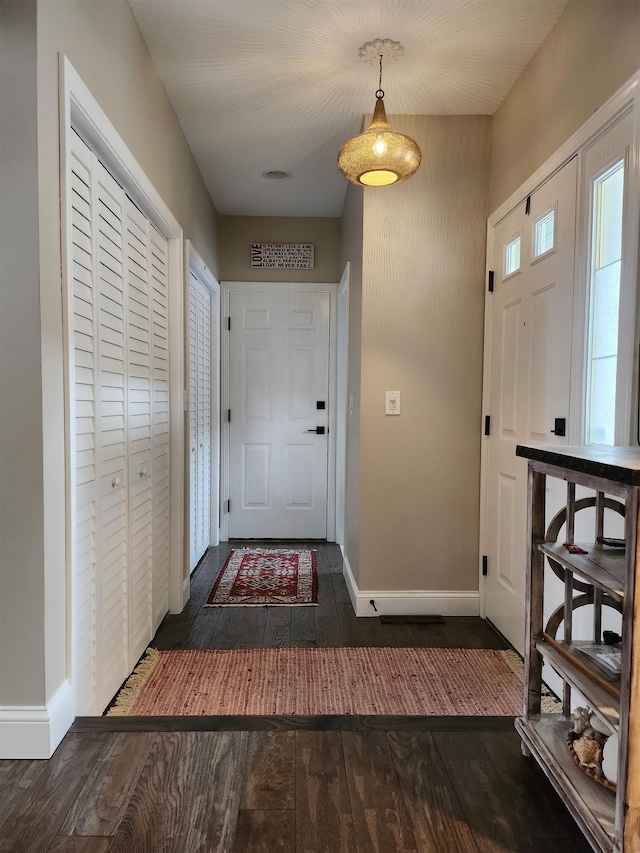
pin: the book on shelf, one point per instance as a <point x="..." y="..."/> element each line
<point x="607" y="658"/>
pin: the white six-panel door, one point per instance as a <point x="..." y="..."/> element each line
<point x="531" y="323"/>
<point x="279" y="396"/>
<point x="119" y="431"/>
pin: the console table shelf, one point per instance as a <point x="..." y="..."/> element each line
<point x="598" y="577"/>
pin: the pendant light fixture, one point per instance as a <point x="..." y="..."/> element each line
<point x="380" y="156"/>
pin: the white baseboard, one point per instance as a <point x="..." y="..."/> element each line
<point x="352" y="586"/>
<point x="186" y="591"/>
<point x="410" y="602"/>
<point x="35" y="731"/>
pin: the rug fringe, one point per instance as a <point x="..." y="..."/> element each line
<point x="134" y="684"/>
<point x="514" y="662"/>
<point x="549" y="704"/>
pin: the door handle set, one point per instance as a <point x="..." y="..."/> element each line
<point x="320" y="430"/>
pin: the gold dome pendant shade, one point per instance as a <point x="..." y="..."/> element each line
<point x="380" y="156"/>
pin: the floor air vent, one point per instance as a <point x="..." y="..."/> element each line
<point x="411" y="620"/>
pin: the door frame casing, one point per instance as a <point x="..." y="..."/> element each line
<point x="620" y="103"/>
<point x="342" y="402"/>
<point x="227" y="287"/>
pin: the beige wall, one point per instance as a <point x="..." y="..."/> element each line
<point x="237" y="233"/>
<point x="103" y="43"/>
<point x="21" y="487"/>
<point x="422" y="321"/>
<point x="352" y="236"/>
<point x="593" y="49"/>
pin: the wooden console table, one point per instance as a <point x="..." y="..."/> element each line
<point x="599" y="577"/>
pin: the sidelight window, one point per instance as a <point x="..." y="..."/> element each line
<point x="604" y="304"/>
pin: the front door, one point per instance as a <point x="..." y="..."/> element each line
<point x="279" y="414"/>
<point x="531" y="322"/>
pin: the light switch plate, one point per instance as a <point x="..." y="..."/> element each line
<point x="392" y="402"/>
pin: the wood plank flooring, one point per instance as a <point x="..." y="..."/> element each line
<point x="300" y="787"/>
<point x="331" y="623"/>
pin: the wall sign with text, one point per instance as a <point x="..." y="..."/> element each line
<point x="282" y="256"/>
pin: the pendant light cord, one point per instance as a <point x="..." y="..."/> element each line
<point x="380" y="93"/>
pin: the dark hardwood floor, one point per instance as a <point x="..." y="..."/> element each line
<point x="331" y="623"/>
<point x="325" y="786"/>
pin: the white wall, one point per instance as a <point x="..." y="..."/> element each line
<point x="417" y="312"/>
<point x="593" y="49"/>
<point x="22" y="603"/>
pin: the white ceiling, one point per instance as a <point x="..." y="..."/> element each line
<point x="278" y="84"/>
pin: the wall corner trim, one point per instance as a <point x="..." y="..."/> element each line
<point x="352" y="586"/>
<point x="410" y="602"/>
<point x="34" y="731"/>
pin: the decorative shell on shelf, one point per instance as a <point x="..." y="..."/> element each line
<point x="589" y="752"/>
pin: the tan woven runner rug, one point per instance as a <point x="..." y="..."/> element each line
<point x="319" y="681"/>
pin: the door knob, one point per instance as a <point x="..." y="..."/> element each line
<point x="143" y="472"/>
<point x="318" y="430"/>
<point x="560" y="425"/>
<point x="115" y="482"/>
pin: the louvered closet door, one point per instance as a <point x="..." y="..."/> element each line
<point x="83" y="427"/>
<point x="113" y="623"/>
<point x="199" y="418"/>
<point x="139" y="422"/>
<point x="193" y="425"/>
<point x="159" y="291"/>
<point x="119" y="431"/>
<point x="204" y="420"/>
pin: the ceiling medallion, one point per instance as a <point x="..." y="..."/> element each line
<point x="371" y="51"/>
<point x="380" y="156"/>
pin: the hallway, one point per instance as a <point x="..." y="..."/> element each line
<point x="279" y="785"/>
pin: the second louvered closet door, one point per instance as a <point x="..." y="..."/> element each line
<point x="199" y="418"/>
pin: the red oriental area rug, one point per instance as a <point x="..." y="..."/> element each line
<point x="266" y="576"/>
<point x="318" y="681"/>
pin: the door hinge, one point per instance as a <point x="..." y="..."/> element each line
<point x="527" y="206"/>
<point x="229" y="324"/>
<point x="485" y="565"/>
<point x="487" y="424"/>
<point x="490" y="282"/>
<point x="229" y="505"/>
<point x="228" y="416"/>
